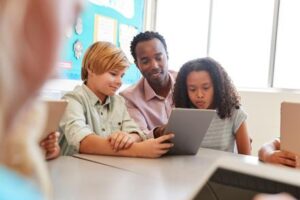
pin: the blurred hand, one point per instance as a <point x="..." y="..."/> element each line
<point x="121" y="140"/>
<point x="154" y="148"/>
<point x="283" y="158"/>
<point x="281" y="196"/>
<point x="50" y="145"/>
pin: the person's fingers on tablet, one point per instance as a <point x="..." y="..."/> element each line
<point x="50" y="137"/>
<point x="54" y="135"/>
<point x="162" y="152"/>
<point x="288" y="155"/>
<point x="43" y="142"/>
<point x="166" y="146"/>
<point x="50" y="145"/>
<point x="288" y="162"/>
<point x="164" y="138"/>
<point x="51" y="140"/>
<point x="53" y="153"/>
<point x="51" y="149"/>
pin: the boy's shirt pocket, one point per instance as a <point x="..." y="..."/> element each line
<point x="116" y="126"/>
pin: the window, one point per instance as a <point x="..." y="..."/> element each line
<point x="287" y="62"/>
<point x="241" y="34"/>
<point x="184" y="24"/>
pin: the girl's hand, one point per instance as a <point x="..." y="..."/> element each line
<point x="154" y="148"/>
<point x="50" y="145"/>
<point x="121" y="140"/>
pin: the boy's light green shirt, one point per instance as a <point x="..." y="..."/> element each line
<point x="86" y="115"/>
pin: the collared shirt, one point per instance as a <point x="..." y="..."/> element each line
<point x="85" y="115"/>
<point x="148" y="109"/>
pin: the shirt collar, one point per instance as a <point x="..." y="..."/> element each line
<point x="93" y="97"/>
<point x="149" y="92"/>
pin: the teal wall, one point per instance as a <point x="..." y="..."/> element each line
<point x="87" y="38"/>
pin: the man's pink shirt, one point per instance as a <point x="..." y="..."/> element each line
<point x="147" y="108"/>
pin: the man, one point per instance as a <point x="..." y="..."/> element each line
<point x="149" y="102"/>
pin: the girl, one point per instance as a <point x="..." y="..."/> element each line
<point x="96" y="120"/>
<point x="204" y="84"/>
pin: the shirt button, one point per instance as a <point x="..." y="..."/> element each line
<point x="103" y="129"/>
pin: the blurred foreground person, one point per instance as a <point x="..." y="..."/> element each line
<point x="31" y="32"/>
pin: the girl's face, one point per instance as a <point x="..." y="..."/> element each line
<point x="200" y="89"/>
<point x="105" y="84"/>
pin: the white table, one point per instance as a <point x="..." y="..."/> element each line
<point x="170" y="177"/>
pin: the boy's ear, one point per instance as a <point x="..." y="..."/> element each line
<point x="90" y="73"/>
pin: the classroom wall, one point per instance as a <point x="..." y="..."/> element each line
<point x="263" y="108"/>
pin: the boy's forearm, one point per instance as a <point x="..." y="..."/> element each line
<point x="94" y="144"/>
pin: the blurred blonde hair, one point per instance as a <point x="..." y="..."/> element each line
<point x="102" y="57"/>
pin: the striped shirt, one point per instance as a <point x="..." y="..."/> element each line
<point x="221" y="132"/>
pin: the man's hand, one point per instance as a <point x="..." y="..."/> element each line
<point x="159" y="131"/>
<point x="50" y="145"/>
<point x="154" y="148"/>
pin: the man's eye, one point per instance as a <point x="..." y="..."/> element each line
<point x="144" y="61"/>
<point x="159" y="58"/>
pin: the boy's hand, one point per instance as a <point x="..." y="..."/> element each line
<point x="121" y="140"/>
<point x="50" y="145"/>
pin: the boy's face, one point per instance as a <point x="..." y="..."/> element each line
<point x="105" y="84"/>
<point x="200" y="89"/>
<point x="152" y="61"/>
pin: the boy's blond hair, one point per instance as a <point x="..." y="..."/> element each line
<point x="102" y="57"/>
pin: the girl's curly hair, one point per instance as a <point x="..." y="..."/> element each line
<point x="225" y="98"/>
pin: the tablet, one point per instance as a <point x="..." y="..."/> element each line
<point x="189" y="127"/>
<point x="290" y="127"/>
<point x="56" y="110"/>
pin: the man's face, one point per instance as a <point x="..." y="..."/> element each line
<point x="152" y="61"/>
